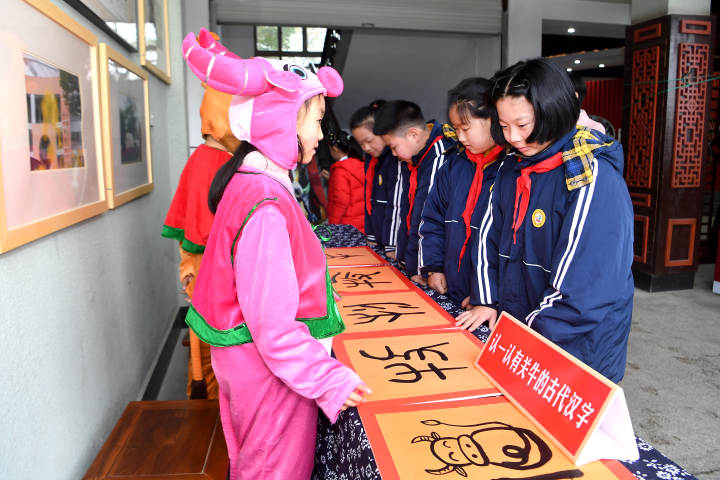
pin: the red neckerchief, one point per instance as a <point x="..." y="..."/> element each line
<point x="481" y="160"/>
<point x="523" y="184"/>
<point x="369" y="184"/>
<point x="413" y="179"/>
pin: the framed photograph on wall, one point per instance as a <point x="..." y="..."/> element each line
<point x="51" y="169"/>
<point x="125" y="128"/>
<point x="153" y="37"/>
<point x="117" y="18"/>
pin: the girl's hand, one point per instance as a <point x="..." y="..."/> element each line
<point x="476" y="316"/>
<point x="465" y="305"/>
<point x="390" y="255"/>
<point x="356" y="397"/>
<point x="185" y="282"/>
<point x="419" y="279"/>
<point x="438" y="282"/>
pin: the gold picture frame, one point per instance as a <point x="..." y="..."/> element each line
<point x="51" y="167"/>
<point x="153" y="38"/>
<point x="125" y="128"/>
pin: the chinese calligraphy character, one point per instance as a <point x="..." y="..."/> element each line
<point x="356" y="279"/>
<point x="572" y="405"/>
<point x="550" y="390"/>
<point x="418" y="373"/>
<point x="494" y="343"/>
<point x="340" y="256"/>
<point x="370" y="312"/>
<point x="407" y="369"/>
<point x="587" y="409"/>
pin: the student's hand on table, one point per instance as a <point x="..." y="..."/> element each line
<point x="438" y="282"/>
<point x="419" y="279"/>
<point x="356" y="397"/>
<point x="185" y="282"/>
<point x="476" y="316"/>
<point x="390" y="254"/>
<point x="465" y="305"/>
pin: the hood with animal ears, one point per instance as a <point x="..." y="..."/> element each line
<point x="267" y="94"/>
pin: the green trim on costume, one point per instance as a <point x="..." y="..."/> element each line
<point x="320" y="327"/>
<point x="191" y="247"/>
<point x="174" y="233"/>
<point x="179" y="235"/>
<point x="237" y="235"/>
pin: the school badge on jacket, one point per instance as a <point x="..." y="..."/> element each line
<point x="538" y="218"/>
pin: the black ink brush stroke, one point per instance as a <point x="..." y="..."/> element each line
<point x="563" y="475"/>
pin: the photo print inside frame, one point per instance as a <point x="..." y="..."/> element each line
<point x="480" y="438"/>
<point x="51" y="164"/>
<point x="54" y="116"/>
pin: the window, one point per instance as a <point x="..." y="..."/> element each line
<point x="299" y="45"/>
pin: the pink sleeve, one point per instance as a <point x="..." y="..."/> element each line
<point x="267" y="290"/>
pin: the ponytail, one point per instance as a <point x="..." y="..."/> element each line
<point x="225" y="174"/>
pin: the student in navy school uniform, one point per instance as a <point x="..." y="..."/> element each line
<point x="556" y="242"/>
<point x="382" y="169"/>
<point x="422" y="146"/>
<point x="460" y="193"/>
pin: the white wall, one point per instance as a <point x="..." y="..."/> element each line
<point x="240" y="39"/>
<point x="416" y="66"/>
<point x="85" y="311"/>
<point x="467" y="16"/>
<point x="196" y="15"/>
<point x="523" y="27"/>
<point x="648" y="9"/>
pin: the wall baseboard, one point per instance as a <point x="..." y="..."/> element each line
<point x="154" y="379"/>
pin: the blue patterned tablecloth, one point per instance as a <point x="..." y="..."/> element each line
<point x="343" y="452"/>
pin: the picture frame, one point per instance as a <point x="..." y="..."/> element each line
<point x="153" y="38"/>
<point x="51" y="168"/>
<point x="117" y="19"/>
<point x="125" y="128"/>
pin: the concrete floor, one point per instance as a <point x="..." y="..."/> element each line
<point x="672" y="381"/>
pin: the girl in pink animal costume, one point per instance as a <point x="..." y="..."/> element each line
<point x="263" y="297"/>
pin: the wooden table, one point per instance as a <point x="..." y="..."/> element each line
<point x="156" y="440"/>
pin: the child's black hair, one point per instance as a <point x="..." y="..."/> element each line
<point x="471" y="99"/>
<point x="346" y="144"/>
<point x="396" y="115"/>
<point x="365" y="116"/>
<point x="228" y="169"/>
<point x="225" y="174"/>
<point x="550" y="92"/>
<point x="579" y="84"/>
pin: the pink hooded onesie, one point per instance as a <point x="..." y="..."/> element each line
<point x="263" y="296"/>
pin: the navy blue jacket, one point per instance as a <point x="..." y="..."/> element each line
<point x="383" y="187"/>
<point x="395" y="235"/>
<point x="434" y="153"/>
<point x="442" y="229"/>
<point x="568" y="274"/>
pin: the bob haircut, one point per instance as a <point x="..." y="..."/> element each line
<point x="471" y="99"/>
<point x="396" y="116"/>
<point x="550" y="92"/>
